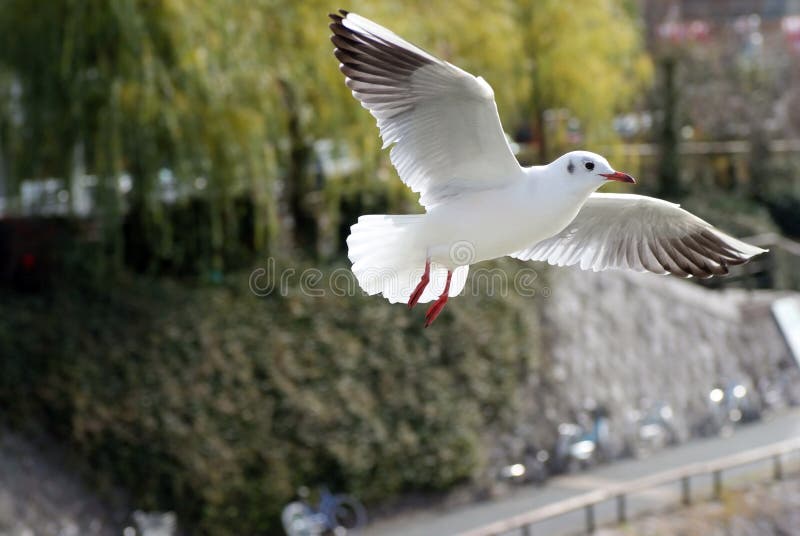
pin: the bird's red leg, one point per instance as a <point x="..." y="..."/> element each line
<point x="438" y="305"/>
<point x="415" y="296"/>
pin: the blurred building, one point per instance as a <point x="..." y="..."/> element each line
<point x="739" y="80"/>
<point x="674" y="21"/>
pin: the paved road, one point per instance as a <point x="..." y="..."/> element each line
<point x="447" y="522"/>
<point x="40" y="493"/>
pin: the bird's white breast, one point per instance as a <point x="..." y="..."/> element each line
<point x="494" y="223"/>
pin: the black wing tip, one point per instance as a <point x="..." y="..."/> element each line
<point x="337" y="27"/>
<point x="339" y="17"/>
<point x="724" y="256"/>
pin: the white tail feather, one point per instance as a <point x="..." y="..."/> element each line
<point x="388" y="259"/>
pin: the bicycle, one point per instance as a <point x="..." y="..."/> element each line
<point x="334" y="514"/>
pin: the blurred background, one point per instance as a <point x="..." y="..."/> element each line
<point x="181" y="342"/>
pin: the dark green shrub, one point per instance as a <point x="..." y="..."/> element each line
<point x="218" y="404"/>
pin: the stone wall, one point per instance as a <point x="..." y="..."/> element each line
<point x="616" y="338"/>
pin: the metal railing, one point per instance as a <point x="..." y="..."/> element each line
<point x="620" y="492"/>
<point x="708" y="147"/>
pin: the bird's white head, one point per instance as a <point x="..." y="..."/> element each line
<point x="588" y="169"/>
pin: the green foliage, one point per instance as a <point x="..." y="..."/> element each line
<point x="210" y="400"/>
<point x="585" y="56"/>
<point x="218" y="403"/>
<point x="235" y="92"/>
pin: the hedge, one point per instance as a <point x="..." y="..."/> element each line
<point x="218" y="404"/>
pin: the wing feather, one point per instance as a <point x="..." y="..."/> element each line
<point x="623" y="231"/>
<point x="441" y="121"/>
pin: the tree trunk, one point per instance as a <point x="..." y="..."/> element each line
<point x="669" y="175"/>
<point x="541" y="136"/>
<point x="537" y="117"/>
<point x="3" y="179"/>
<point x="298" y="180"/>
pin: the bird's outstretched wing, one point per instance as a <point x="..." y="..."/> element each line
<point x="634" y="232"/>
<point x="442" y="121"/>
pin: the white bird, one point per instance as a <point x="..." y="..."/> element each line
<point x="449" y="146"/>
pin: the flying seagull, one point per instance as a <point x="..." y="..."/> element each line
<point x="449" y="146"/>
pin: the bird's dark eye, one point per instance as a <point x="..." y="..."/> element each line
<point x="589" y="165"/>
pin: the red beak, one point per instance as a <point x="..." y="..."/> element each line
<point x="619" y="176"/>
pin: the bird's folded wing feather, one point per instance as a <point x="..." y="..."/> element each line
<point x="622" y="231"/>
<point x="442" y="121"/>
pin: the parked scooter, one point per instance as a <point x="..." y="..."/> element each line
<point x="584" y="444"/>
<point x="650" y="429"/>
<point x="520" y="462"/>
<point x="728" y="405"/>
<point x="736" y="403"/>
<point x="779" y="391"/>
<point x="531" y="468"/>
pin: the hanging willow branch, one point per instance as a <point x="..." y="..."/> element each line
<point x="221" y="100"/>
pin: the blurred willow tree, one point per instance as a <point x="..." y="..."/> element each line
<point x="135" y="87"/>
<point x="225" y="98"/>
<point x="584" y="56"/>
